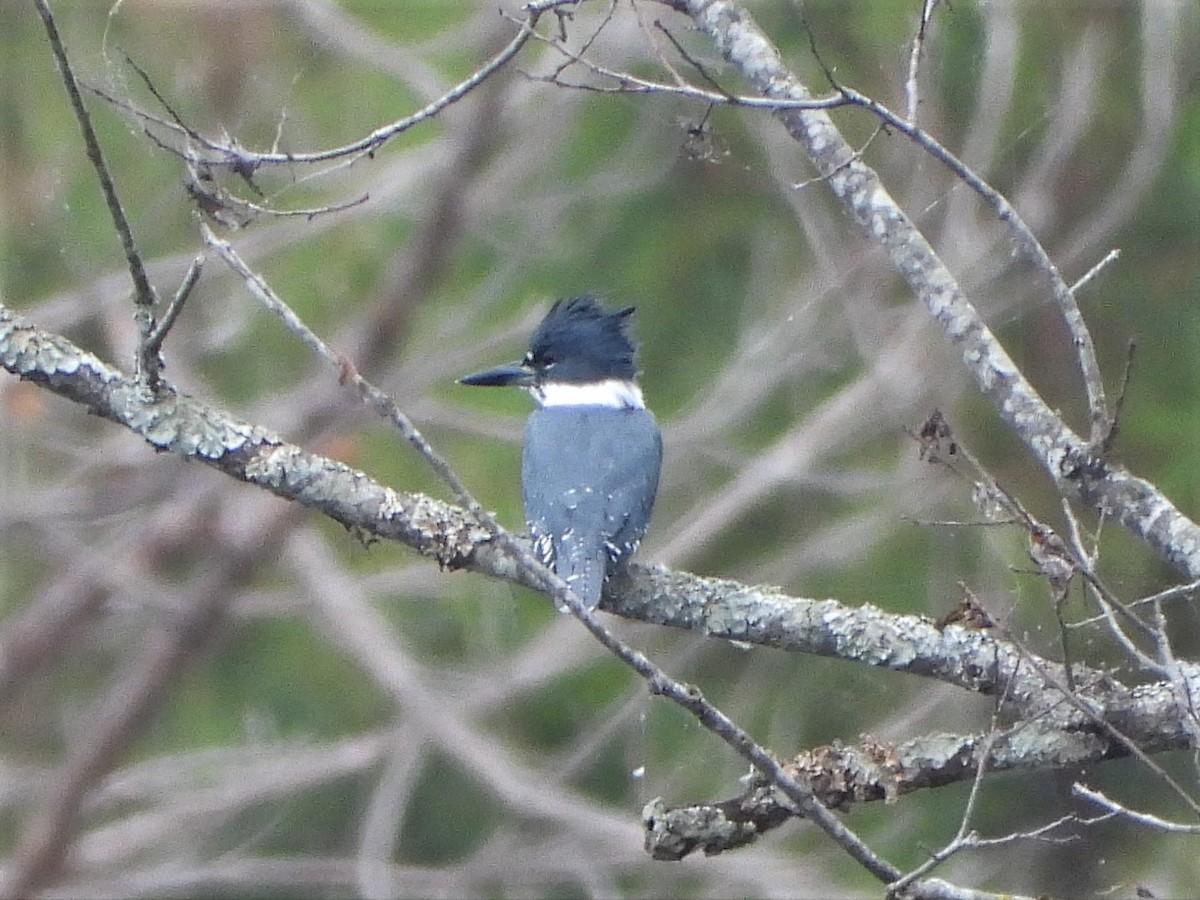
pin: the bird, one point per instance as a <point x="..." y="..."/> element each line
<point x="592" y="452"/>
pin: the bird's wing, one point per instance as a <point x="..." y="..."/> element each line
<point x="589" y="477"/>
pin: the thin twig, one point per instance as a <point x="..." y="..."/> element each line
<point x="628" y="83"/>
<point x="227" y="154"/>
<point x="1177" y="592"/>
<point x="1041" y="833"/>
<point x="1124" y="812"/>
<point x="964" y="834"/>
<point x="1176" y="677"/>
<point x="371" y="395"/>
<point x="1091" y="274"/>
<point x="223" y="206"/>
<point x="692" y="61"/>
<point x="1080" y="336"/>
<point x="148" y="365"/>
<point x="154" y="340"/>
<point x="1119" y="405"/>
<point x="1041" y="535"/>
<point x="651" y="42"/>
<point x="591" y="39"/>
<point x="1105" y="600"/>
<point x="157" y="95"/>
<point x="912" y="88"/>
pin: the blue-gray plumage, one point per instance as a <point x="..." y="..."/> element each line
<point x="589" y="475"/>
<point x="592" y="452"/>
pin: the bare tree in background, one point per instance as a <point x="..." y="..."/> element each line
<point x="208" y="690"/>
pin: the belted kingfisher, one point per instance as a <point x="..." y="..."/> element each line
<point x="592" y="451"/>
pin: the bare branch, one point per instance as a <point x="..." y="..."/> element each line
<point x="153" y="341"/>
<point x="1138" y="818"/>
<point x="1071" y="463"/>
<point x="868" y="772"/>
<point x="1094" y="272"/>
<point x="912" y="87"/>
<point x="143" y="292"/>
<point x="226" y="153"/>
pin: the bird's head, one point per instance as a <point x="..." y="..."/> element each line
<point x="580" y="355"/>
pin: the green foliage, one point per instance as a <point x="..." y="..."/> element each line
<point x="448" y="817"/>
<point x="274" y="675"/>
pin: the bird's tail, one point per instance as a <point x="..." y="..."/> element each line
<point x="583" y="568"/>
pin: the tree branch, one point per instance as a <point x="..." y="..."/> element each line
<point x="970" y="659"/>
<point x="1073" y="464"/>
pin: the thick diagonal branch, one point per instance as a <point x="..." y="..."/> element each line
<point x="1070" y="461"/>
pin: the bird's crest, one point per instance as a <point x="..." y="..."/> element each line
<point x="592" y="342"/>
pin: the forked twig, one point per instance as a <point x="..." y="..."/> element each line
<point x="148" y="364"/>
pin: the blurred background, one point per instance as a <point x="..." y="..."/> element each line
<point x="345" y="719"/>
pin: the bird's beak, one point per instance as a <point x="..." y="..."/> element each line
<point x="513" y="374"/>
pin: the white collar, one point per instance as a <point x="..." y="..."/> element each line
<point x="615" y="393"/>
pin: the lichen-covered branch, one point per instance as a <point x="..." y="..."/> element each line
<point x="188" y="427"/>
<point x="873" y="770"/>
<point x="974" y="660"/>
